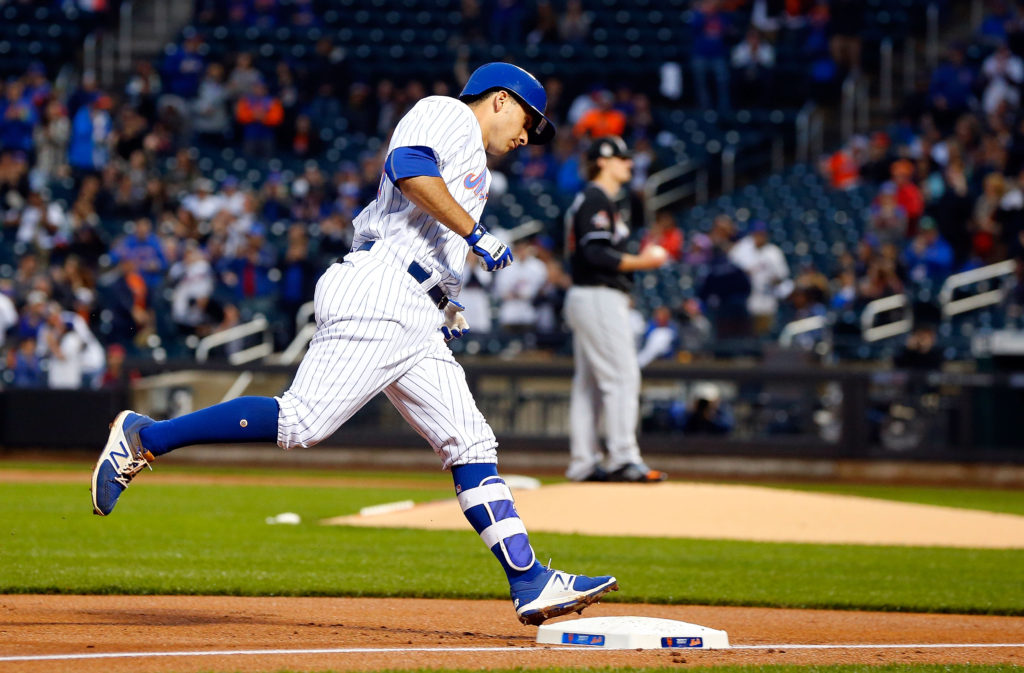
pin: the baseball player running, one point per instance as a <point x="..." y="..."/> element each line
<point x="381" y="314"/>
<point x="607" y="378"/>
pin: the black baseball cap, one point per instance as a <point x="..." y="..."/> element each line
<point x="608" y="146"/>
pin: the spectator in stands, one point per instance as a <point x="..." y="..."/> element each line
<point x="248" y="275"/>
<point x="921" y="350"/>
<point x="998" y="23"/>
<point x="298" y="276"/>
<point x="260" y="114"/>
<point x="698" y="249"/>
<point x="144" y="89"/>
<point x="183" y="66"/>
<point x="753" y="65"/>
<point x="928" y="256"/>
<point x="985" y="225"/>
<point x="706" y="415"/>
<point x="506" y="21"/>
<point x="845" y="293"/>
<point x="770" y="281"/>
<point x="954" y="208"/>
<point x="84" y="94"/>
<point x="808" y="27"/>
<point x="63" y="349"/>
<point x="115" y="375"/>
<point x="43" y="224"/>
<point x="601" y="120"/>
<point x="725" y="287"/>
<point x="24" y="365"/>
<point x="89" y="148"/>
<point x="888" y="219"/>
<point x="1002" y="75"/>
<point x="18" y="118"/>
<point x="33" y="314"/>
<point x="192" y="285"/>
<point x="908" y="194"/>
<point x="517" y="292"/>
<point x="50" y="139"/>
<point x="8" y="313"/>
<point x="210" y="108"/>
<point x="951" y="88"/>
<point x="203" y="204"/>
<point x="711" y="28"/>
<point x="305" y="140"/>
<point x="664" y="231"/>
<point x="243" y="78"/>
<point x="574" y="25"/>
<point x="144" y="248"/>
<point x="325" y="108"/>
<point x="538" y="166"/>
<point x="877" y="167"/>
<point x="842" y="167"/>
<point x="846" y="23"/>
<point x="131" y="317"/>
<point x="661" y="337"/>
<point x="569" y="174"/>
<point x="880" y="280"/>
<point x="543" y="24"/>
<point x="550" y="301"/>
<point x="476" y="296"/>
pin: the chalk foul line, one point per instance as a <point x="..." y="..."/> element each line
<point x="397" y="650"/>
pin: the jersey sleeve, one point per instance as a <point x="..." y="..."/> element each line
<point x="594" y="226"/>
<point x="439" y="123"/>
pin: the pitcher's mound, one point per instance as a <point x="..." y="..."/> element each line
<point x="712" y="511"/>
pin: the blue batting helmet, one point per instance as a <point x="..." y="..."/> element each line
<point x="521" y="84"/>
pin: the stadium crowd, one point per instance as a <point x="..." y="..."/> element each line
<point x="117" y="240"/>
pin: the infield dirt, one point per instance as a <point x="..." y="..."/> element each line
<point x="105" y="624"/>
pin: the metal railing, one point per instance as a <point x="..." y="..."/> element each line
<point x="952" y="307"/>
<point x="871" y="332"/>
<point x="258" y="325"/>
<point x="793" y="329"/>
<point x="653" y="201"/>
<point x="303" y="315"/>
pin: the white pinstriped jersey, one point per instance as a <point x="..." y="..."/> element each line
<point x="451" y="130"/>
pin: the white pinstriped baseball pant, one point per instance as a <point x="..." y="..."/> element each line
<point x="378" y="331"/>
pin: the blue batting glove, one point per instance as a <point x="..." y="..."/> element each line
<point x="494" y="252"/>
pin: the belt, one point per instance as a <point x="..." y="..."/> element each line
<point x="421" y="275"/>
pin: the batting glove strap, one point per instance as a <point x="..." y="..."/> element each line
<point x="493" y="251"/>
<point x="455" y="325"/>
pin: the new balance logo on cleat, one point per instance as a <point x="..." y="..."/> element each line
<point x="122" y="458"/>
<point x="554" y="593"/>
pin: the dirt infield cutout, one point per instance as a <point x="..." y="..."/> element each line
<point x="714" y="511"/>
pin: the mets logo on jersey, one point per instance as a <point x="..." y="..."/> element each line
<point x="476" y="184"/>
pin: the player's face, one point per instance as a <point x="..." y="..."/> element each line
<point x="620" y="168"/>
<point x="511" y="123"/>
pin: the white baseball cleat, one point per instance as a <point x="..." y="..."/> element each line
<point x="554" y="593"/>
<point x="122" y="458"/>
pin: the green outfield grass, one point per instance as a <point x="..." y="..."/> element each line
<point x="213" y="539"/>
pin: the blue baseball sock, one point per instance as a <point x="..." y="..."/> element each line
<point x="246" y="419"/>
<point x="494" y="517"/>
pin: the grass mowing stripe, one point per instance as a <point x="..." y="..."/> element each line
<point x="206" y="539"/>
